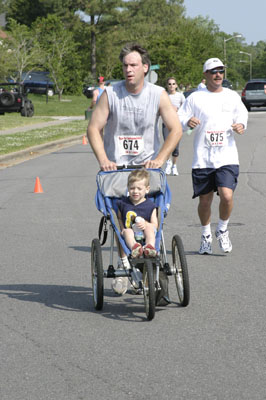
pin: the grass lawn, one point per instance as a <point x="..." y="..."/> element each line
<point x="68" y="106"/>
<point x="43" y="112"/>
<point x="19" y="141"/>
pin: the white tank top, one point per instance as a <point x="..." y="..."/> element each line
<point x="131" y="135"/>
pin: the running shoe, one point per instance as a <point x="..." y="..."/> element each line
<point x="149" y="251"/>
<point x="174" y="170"/>
<point x="206" y="245"/>
<point x="224" y="241"/>
<point x="119" y="285"/>
<point x="136" y="250"/>
<point x="168" y="168"/>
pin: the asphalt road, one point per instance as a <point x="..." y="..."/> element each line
<point x="55" y="346"/>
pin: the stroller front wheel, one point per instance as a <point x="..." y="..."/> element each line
<point x="148" y="289"/>
<point x="97" y="274"/>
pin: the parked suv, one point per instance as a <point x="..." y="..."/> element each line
<point x="254" y="93"/>
<point x="13" y="98"/>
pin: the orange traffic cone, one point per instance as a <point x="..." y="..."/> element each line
<point x="38" y="186"/>
<point x="84" y="140"/>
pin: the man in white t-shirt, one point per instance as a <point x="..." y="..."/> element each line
<point x="202" y="84"/>
<point x="215" y="114"/>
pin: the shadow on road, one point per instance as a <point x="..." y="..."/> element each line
<point x="79" y="299"/>
<point x="67" y="298"/>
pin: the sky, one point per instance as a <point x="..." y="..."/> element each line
<point x="244" y="17"/>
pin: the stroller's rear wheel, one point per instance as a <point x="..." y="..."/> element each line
<point x="181" y="271"/>
<point x="148" y="289"/>
<point x="97" y="274"/>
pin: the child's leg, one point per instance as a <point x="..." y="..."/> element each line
<point x="149" y="235"/>
<point x="136" y="248"/>
<point x="128" y="235"/>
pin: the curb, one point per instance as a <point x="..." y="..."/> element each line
<point x="36" y="151"/>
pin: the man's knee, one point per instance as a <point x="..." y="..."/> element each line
<point x="226" y="195"/>
<point x="205" y="200"/>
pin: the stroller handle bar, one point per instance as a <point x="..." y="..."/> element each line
<point x="130" y="166"/>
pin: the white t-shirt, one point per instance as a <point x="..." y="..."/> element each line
<point x="177" y="99"/>
<point x="201" y="85"/>
<point x="214" y="142"/>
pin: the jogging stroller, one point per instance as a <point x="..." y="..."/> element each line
<point x="149" y="274"/>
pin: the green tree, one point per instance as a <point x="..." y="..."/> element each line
<point x="23" y="50"/>
<point x="4" y="60"/>
<point x="27" y="11"/>
<point x="102" y="17"/>
<point x="58" y="50"/>
<point x="179" y="45"/>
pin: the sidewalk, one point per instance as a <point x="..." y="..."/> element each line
<point x="58" y="121"/>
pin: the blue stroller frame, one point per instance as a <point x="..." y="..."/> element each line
<point x="149" y="275"/>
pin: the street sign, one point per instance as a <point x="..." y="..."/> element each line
<point x="151" y="77"/>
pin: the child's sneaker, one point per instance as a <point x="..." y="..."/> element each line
<point x="174" y="170"/>
<point x="224" y="241"/>
<point x="206" y="245"/>
<point x="136" y="250"/>
<point x="149" y="251"/>
<point x="168" y="168"/>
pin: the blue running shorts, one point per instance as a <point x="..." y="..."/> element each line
<point x="206" y="180"/>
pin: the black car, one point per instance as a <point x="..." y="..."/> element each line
<point x="254" y="93"/>
<point x="38" y="82"/>
<point x="227" y="84"/>
<point x="13" y="98"/>
<point x="88" y="89"/>
<point x="186" y="93"/>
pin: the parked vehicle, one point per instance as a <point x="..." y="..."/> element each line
<point x="38" y="82"/>
<point x="88" y="89"/>
<point x="13" y="98"/>
<point x="254" y="93"/>
<point x="186" y="93"/>
<point x="227" y="84"/>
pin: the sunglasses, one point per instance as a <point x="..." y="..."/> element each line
<point x="215" y="71"/>
<point x="170" y="84"/>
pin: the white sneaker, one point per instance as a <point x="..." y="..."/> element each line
<point x="224" y="241"/>
<point x="174" y="170"/>
<point x="119" y="285"/>
<point x="168" y="168"/>
<point x="206" y="245"/>
<point x="123" y="263"/>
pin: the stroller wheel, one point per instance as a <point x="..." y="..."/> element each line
<point x="180" y="271"/>
<point x="148" y="289"/>
<point x="97" y="274"/>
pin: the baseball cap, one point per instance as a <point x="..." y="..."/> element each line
<point x="212" y="63"/>
<point x="101" y="79"/>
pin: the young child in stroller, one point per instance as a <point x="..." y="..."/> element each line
<point x="138" y="213"/>
<point x="138" y="222"/>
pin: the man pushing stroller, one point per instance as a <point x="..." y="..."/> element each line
<point x="128" y="113"/>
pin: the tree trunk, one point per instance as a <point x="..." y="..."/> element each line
<point x="93" y="49"/>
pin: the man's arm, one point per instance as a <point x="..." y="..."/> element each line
<point x="186" y="117"/>
<point x="171" y="120"/>
<point x="94" y="133"/>
<point x="94" y="98"/>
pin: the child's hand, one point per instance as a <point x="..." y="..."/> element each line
<point x="141" y="223"/>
